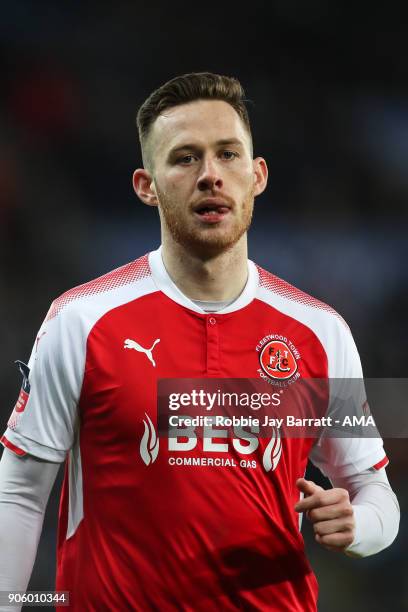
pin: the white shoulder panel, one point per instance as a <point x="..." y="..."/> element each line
<point x="327" y="325"/>
<point x="335" y="456"/>
<point x="48" y="424"/>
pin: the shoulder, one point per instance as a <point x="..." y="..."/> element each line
<point x="104" y="292"/>
<point x="74" y="314"/>
<point x="324" y="321"/>
<point x="280" y="292"/>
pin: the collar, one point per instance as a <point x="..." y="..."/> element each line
<point x="167" y="286"/>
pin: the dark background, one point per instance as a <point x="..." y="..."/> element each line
<point x="328" y="91"/>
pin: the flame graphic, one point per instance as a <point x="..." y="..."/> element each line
<point x="272" y="452"/>
<point x="149" y="444"/>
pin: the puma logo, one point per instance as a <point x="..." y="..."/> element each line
<point x="132" y="344"/>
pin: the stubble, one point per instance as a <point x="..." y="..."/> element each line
<point x="207" y="241"/>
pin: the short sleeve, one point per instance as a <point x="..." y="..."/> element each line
<point x="343" y="456"/>
<point x="44" y="421"/>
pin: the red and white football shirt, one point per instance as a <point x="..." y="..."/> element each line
<point x="145" y="530"/>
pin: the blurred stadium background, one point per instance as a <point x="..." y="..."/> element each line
<point x="328" y="93"/>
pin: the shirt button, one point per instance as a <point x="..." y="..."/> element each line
<point x="212" y="321"/>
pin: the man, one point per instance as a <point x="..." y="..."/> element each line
<point x="170" y="524"/>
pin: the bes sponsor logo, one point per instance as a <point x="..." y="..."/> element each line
<point x="278" y="360"/>
<point x="242" y="450"/>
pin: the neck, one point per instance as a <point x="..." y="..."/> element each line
<point x="219" y="278"/>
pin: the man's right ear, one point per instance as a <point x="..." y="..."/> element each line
<point x="143" y="185"/>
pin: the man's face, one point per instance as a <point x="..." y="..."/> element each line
<point x="203" y="175"/>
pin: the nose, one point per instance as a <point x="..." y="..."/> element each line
<point x="209" y="176"/>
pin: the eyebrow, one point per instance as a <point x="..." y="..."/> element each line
<point x="194" y="147"/>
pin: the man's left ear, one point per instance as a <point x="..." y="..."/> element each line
<point x="260" y="175"/>
<point x="143" y="185"/>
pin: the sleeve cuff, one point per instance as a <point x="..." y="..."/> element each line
<point x="21" y="446"/>
<point x="16" y="450"/>
<point x="374" y="460"/>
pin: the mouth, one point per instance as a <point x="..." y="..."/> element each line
<point x="212" y="210"/>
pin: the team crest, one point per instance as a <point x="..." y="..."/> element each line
<point x="278" y="359"/>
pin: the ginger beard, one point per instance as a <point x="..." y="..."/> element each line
<point x="205" y="240"/>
